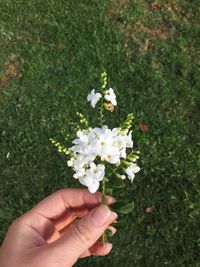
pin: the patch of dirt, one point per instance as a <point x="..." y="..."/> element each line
<point x="59" y="46"/>
<point x="159" y="31"/>
<point x="117" y="11"/>
<point x="175" y="9"/>
<point x="11" y="70"/>
<point x="159" y="6"/>
<point x="130" y="32"/>
<point x="117" y="8"/>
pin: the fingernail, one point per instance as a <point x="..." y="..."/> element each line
<point x="115" y="215"/>
<point x="110" y="200"/>
<point x="109" y="246"/>
<point x="100" y="215"/>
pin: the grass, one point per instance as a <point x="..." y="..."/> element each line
<point x="51" y="55"/>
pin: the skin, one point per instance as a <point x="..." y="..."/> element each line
<point x="58" y="231"/>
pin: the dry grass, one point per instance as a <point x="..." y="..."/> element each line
<point x="173" y="8"/>
<point x="118" y="7"/>
<point x="11" y="70"/>
<point x="159" y="31"/>
<point x="130" y="30"/>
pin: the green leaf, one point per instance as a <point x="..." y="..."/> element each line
<point x="127" y="208"/>
<point x="120" y="225"/>
<point x="108" y="233"/>
<point x="109" y="191"/>
<point x="122" y="207"/>
<point x="118" y="205"/>
<point x="116" y="183"/>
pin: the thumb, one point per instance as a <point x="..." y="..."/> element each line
<point x="82" y="235"/>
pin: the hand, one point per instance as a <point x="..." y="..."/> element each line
<point x="58" y="231"/>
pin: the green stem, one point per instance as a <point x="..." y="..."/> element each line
<point x="104" y="237"/>
<point x="101" y="107"/>
<point x="104" y="191"/>
<point x="101" y="112"/>
<point x="101" y="116"/>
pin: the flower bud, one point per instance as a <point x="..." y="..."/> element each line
<point x="109" y="107"/>
<point x="121" y="176"/>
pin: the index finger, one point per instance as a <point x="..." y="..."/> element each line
<point x="55" y="205"/>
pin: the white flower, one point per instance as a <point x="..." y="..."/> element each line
<point x="128" y="140"/>
<point x="78" y="163"/>
<point x="130" y="173"/>
<point x="110" y="96"/>
<point x="97" y="172"/>
<point x="135" y="167"/>
<point x="80" y="173"/>
<point x="113" y="156"/>
<point x="107" y="144"/>
<point x="85" y="146"/>
<point x="131" y="170"/>
<point x="93" y="98"/>
<point x="92" y="177"/>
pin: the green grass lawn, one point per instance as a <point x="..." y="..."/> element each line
<point x="51" y="55"/>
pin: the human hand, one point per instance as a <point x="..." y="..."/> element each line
<point x="52" y="235"/>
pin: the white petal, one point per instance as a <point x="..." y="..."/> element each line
<point x="100" y="167"/>
<point x="93" y="186"/>
<point x="135" y="168"/>
<point x="107" y="97"/>
<point x="98" y="96"/>
<point x="93" y="103"/>
<point x="129" y="171"/>
<point x="113" y="159"/>
<point x="79" y="173"/>
<point x="114" y="102"/>
<point x="128" y="139"/>
<point x="115" y="131"/>
<point x="105" y="150"/>
<point x="100" y="175"/>
<point x="90" y="95"/>
<point x="85" y="180"/>
<point x="92" y="166"/>
<point x="131" y="177"/>
<point x="111" y="91"/>
<point x="123" y="153"/>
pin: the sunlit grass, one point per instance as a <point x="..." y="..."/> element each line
<point x="51" y="55"/>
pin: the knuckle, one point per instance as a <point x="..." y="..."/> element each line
<point x="81" y="232"/>
<point x="60" y="192"/>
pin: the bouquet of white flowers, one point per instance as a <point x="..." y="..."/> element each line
<point x="100" y="156"/>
